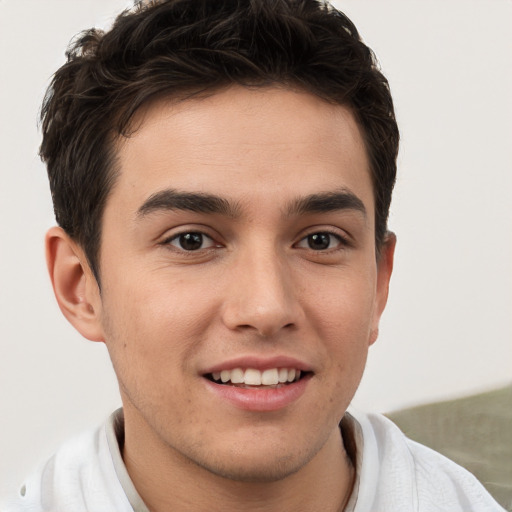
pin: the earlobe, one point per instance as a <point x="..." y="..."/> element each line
<point x="384" y="271"/>
<point x="73" y="283"/>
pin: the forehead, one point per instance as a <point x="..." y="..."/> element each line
<point x="271" y="143"/>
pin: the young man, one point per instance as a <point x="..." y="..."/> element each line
<point x="221" y="174"/>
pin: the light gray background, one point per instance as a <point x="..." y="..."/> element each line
<point x="447" y="331"/>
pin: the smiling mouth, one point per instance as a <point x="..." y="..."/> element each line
<point x="252" y="378"/>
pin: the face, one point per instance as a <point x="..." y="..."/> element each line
<point x="238" y="246"/>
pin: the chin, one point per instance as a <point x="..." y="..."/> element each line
<point x="268" y="472"/>
<point x="257" y="465"/>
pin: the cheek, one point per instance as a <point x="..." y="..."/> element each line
<point x="344" y="310"/>
<point x="153" y="327"/>
<point x="343" y="319"/>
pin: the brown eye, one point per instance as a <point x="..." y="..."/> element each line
<point x="191" y="241"/>
<point x="319" y="241"/>
<point x="322" y="241"/>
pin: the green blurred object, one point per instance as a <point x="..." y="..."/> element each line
<point x="475" y="432"/>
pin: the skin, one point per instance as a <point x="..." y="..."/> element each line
<point x="255" y="287"/>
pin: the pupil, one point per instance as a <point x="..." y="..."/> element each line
<point x="191" y="241"/>
<point x="319" y="241"/>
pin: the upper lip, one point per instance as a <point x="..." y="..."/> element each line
<point x="259" y="363"/>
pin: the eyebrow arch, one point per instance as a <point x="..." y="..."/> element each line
<point x="327" y="202"/>
<point x="169" y="199"/>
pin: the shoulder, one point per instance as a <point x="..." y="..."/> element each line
<point x="79" y="477"/>
<point x="399" y="474"/>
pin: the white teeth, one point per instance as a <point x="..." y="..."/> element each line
<point x="237" y="376"/>
<point x="270" y="377"/>
<point x="283" y="375"/>
<point x="253" y="377"/>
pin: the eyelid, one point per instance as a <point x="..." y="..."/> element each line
<point x="207" y="241"/>
<point x="342" y="236"/>
<point x="341" y="242"/>
<point x="201" y="230"/>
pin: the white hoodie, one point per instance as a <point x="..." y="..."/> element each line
<point x="393" y="474"/>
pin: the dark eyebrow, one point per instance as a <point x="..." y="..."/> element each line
<point x="327" y="202"/>
<point x="199" y="202"/>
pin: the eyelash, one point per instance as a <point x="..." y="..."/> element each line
<point x="168" y="241"/>
<point x="343" y="241"/>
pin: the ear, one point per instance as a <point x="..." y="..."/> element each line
<point x="74" y="284"/>
<point x="384" y="270"/>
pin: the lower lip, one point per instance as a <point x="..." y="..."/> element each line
<point x="253" y="399"/>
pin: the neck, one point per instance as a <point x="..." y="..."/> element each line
<point x="166" y="481"/>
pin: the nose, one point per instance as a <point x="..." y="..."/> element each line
<point x="261" y="296"/>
